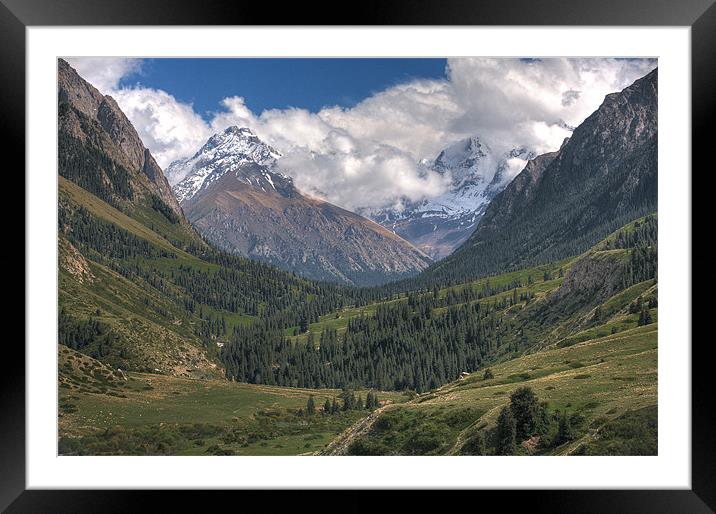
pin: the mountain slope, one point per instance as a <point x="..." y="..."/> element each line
<point x="596" y="383"/>
<point x="439" y="225"/>
<point x="586" y="344"/>
<point x="233" y="196"/>
<point x="139" y="289"/>
<point x="603" y="176"/>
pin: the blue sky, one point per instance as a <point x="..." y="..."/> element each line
<point x="310" y="84"/>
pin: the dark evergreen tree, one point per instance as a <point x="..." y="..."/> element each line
<point x="525" y="410"/>
<point x="644" y="316"/>
<point x="506" y="431"/>
<point x="303" y="325"/>
<point x="564" y="433"/>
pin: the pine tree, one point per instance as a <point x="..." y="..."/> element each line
<point x="525" y="410"/>
<point x="543" y="418"/>
<point x="349" y="399"/>
<point x="303" y="325"/>
<point x="564" y="433"/>
<point x="487" y="375"/>
<point x="327" y="407"/>
<point x="644" y="316"/>
<point x="635" y="306"/>
<point x="506" y="432"/>
<point x="310" y="406"/>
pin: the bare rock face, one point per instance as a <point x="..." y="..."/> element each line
<point x="88" y="116"/>
<point x="73" y="262"/>
<point x="595" y="277"/>
<point x="121" y="131"/>
<point x="235" y="198"/>
<point x="77" y="92"/>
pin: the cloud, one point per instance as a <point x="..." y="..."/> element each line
<point x="373" y="176"/>
<point x="169" y="128"/>
<point x="104" y="73"/>
<point x="513" y="102"/>
<point x="367" y="155"/>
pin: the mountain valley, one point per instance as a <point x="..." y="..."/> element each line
<point x="215" y="309"/>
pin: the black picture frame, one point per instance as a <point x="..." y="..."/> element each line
<point x="700" y="15"/>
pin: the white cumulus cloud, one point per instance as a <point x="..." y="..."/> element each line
<point x="366" y="156"/>
<point x="104" y="73"/>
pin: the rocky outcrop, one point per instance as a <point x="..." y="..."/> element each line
<point x="591" y="280"/>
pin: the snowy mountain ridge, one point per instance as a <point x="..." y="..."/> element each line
<point x="224" y="152"/>
<point x="232" y="194"/>
<point x="436" y="225"/>
<point x="439" y="225"/>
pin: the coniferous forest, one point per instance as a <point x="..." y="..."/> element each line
<point x="420" y="343"/>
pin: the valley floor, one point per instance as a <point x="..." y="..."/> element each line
<point x="101" y="413"/>
<point x="598" y="382"/>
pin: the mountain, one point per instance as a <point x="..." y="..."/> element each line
<point x="439" y="225"/>
<point x="603" y="176"/>
<point x="139" y="289"/>
<point x="145" y="304"/>
<point x="223" y="152"/>
<point x="236" y="199"/>
<point x="93" y="127"/>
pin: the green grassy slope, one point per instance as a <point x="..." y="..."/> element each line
<point x="164" y="300"/>
<point x="151" y="331"/>
<point x="103" y="411"/>
<point x="533" y="279"/>
<point x="591" y="353"/>
<point x="596" y="382"/>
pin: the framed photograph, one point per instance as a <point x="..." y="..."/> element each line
<point x="415" y="248"/>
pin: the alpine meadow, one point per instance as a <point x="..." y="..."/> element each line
<point x="458" y="257"/>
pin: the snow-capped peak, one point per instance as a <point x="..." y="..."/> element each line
<point x="462" y="158"/>
<point x="223" y="152"/>
<point x="477" y="176"/>
<point x="239" y="142"/>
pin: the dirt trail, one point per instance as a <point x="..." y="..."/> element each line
<point x="339" y="446"/>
